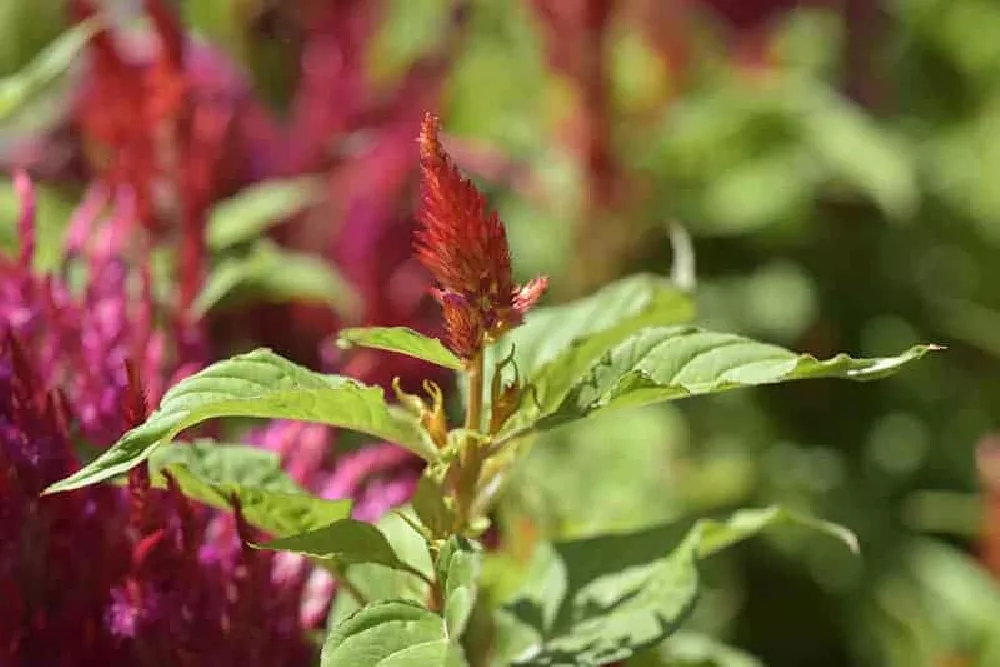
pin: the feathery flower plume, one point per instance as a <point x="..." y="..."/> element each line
<point x="110" y="575"/>
<point x="464" y="245"/>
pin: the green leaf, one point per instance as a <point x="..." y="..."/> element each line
<point x="858" y="151"/>
<point x="26" y="27"/>
<point x="623" y="306"/>
<point x="690" y="649"/>
<point x="403" y="341"/>
<point x="224" y="279"/>
<point x="258" y="384"/>
<point x="667" y="363"/>
<point x="343" y="542"/>
<point x="245" y="216"/>
<point x="556" y="345"/>
<point x="276" y="274"/>
<point x="276" y="512"/>
<point x="598" y="600"/>
<point x="377" y="582"/>
<point x="622" y="461"/>
<point x="395" y="633"/>
<point x="213" y="473"/>
<point x="458" y="567"/>
<point x="22" y="88"/>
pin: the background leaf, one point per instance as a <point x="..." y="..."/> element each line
<point x="213" y="473"/>
<point x="402" y="340"/>
<point x="257" y="384"/>
<point x="53" y="210"/>
<point x="19" y="90"/>
<point x="690" y="649"/>
<point x="597" y="600"/>
<point x="248" y="214"/>
<point x="271" y="273"/>
<point x="858" y="152"/>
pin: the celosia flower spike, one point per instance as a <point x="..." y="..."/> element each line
<point x="461" y="241"/>
<point x="464" y="246"/>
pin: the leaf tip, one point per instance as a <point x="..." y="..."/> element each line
<point x="846" y="536"/>
<point x="70" y="483"/>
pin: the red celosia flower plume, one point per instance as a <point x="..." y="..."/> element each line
<point x="464" y="245"/>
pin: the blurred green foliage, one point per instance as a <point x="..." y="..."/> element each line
<point x="820" y="224"/>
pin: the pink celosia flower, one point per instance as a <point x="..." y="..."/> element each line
<point x="110" y="575"/>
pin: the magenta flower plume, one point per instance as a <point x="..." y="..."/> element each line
<point x="110" y="575"/>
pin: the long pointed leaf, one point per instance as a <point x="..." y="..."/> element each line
<point x="257" y="384"/>
<point x="666" y="363"/>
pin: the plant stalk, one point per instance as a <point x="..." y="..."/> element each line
<point x="471" y="459"/>
<point x="350" y="588"/>
<point x="474" y="380"/>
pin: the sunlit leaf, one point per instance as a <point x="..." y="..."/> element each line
<point x="377" y="582"/>
<point x="215" y="473"/>
<point x="623" y="306"/>
<point x="258" y="384"/>
<point x="225" y="463"/>
<point x="458" y="566"/>
<point x="598" y="600"/>
<point x="395" y="633"/>
<point x="276" y="512"/>
<point x="402" y="340"/>
<point x="667" y="363"/>
<point x="556" y="345"/>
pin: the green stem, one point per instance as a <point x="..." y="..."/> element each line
<point x="418" y="574"/>
<point x="435" y="597"/>
<point x="350" y="588"/>
<point x="474" y="380"/>
<point x="471" y="460"/>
